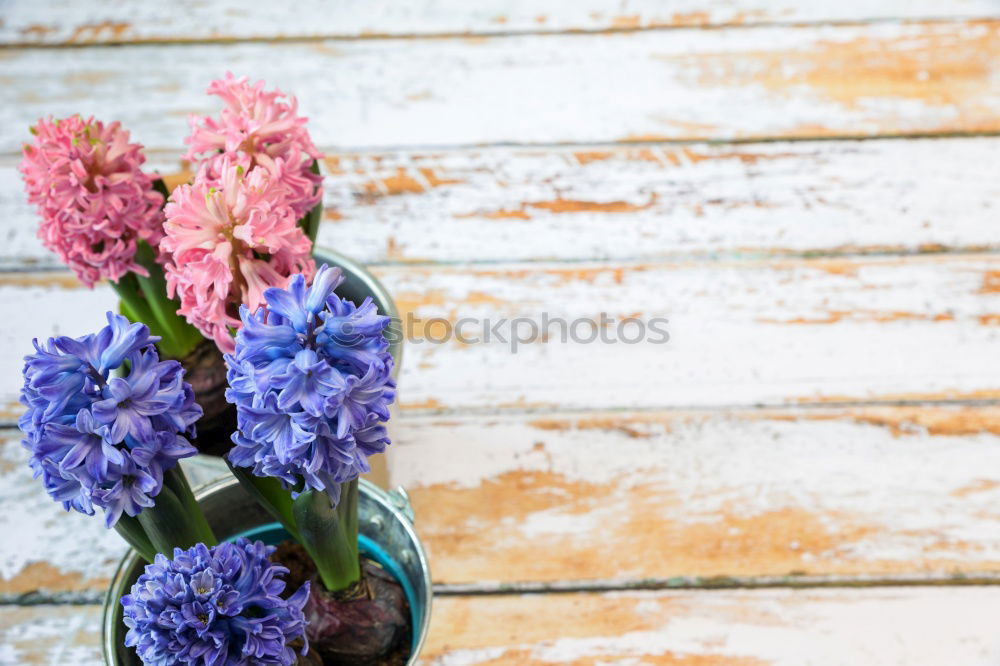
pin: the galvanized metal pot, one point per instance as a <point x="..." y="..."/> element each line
<point x="385" y="522"/>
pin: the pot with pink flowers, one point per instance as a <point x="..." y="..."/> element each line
<point x="292" y="558"/>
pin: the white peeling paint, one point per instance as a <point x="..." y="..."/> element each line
<point x="775" y="627"/>
<point x="65" y="21"/>
<point x="681" y="84"/>
<point x="740" y="332"/>
<point x="922" y="497"/>
<point x="699" y="201"/>
<point x="39" y="530"/>
<point x="50" y="635"/>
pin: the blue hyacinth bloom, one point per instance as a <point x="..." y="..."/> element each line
<point x="311" y="378"/>
<point x="215" y="607"/>
<point x="105" y="418"/>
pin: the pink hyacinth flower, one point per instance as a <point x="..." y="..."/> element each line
<point x="94" y="200"/>
<point x="227" y="240"/>
<point x="256" y="128"/>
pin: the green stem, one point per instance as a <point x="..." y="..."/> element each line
<point x="326" y="534"/>
<point x="347" y="509"/>
<point x="175" y="520"/>
<point x="130" y="530"/>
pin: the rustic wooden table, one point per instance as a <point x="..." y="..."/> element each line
<point x="808" y="472"/>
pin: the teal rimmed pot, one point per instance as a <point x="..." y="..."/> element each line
<point x="386" y="535"/>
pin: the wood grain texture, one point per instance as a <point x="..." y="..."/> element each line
<point x="104" y="21"/>
<point x="611" y="498"/>
<point x="50" y="636"/>
<point x="740" y="333"/>
<point x="817" y="492"/>
<point x="47" y="550"/>
<point x="910" y="626"/>
<point x="827" y="81"/>
<point x="642" y="203"/>
<point x="826" y="411"/>
<point x="774" y="628"/>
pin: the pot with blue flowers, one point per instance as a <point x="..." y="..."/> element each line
<point x="292" y="560"/>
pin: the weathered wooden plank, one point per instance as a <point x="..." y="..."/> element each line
<point x="50" y="635"/>
<point x="866" y="79"/>
<point x="102" y="22"/>
<point x="832" y="627"/>
<point x="47" y="550"/>
<point x="608" y="498"/>
<point x="657" y="202"/>
<point x="740" y="333"/>
<point x="862" y="491"/>
<point x="59" y="555"/>
<point x="863" y="328"/>
<point x="911" y="626"/>
<point x="633" y="203"/>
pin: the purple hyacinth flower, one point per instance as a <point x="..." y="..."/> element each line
<point x="353" y="334"/>
<point x="101" y="440"/>
<point x="117" y="341"/>
<point x="82" y="444"/>
<point x="215" y="607"/>
<point x="132" y="490"/>
<point x="306" y="381"/>
<point x="361" y="399"/>
<point x="311" y="374"/>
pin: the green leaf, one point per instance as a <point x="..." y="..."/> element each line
<point x="130" y="530"/>
<point x="310" y="221"/>
<point x="165" y="524"/>
<point x="133" y="305"/>
<point x="176" y="480"/>
<point x="126" y="312"/>
<point x="160" y="186"/>
<point x="179" y="337"/>
<point x="144" y="300"/>
<point x="269" y="494"/>
<point x="171" y="523"/>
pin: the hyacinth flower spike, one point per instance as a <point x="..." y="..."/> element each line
<point x="218" y="606"/>
<point x="102" y="215"/>
<point x="249" y="219"/>
<point x="260" y="127"/>
<point x="106" y="423"/>
<point x="311" y="377"/>
<point x="227" y="239"/>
